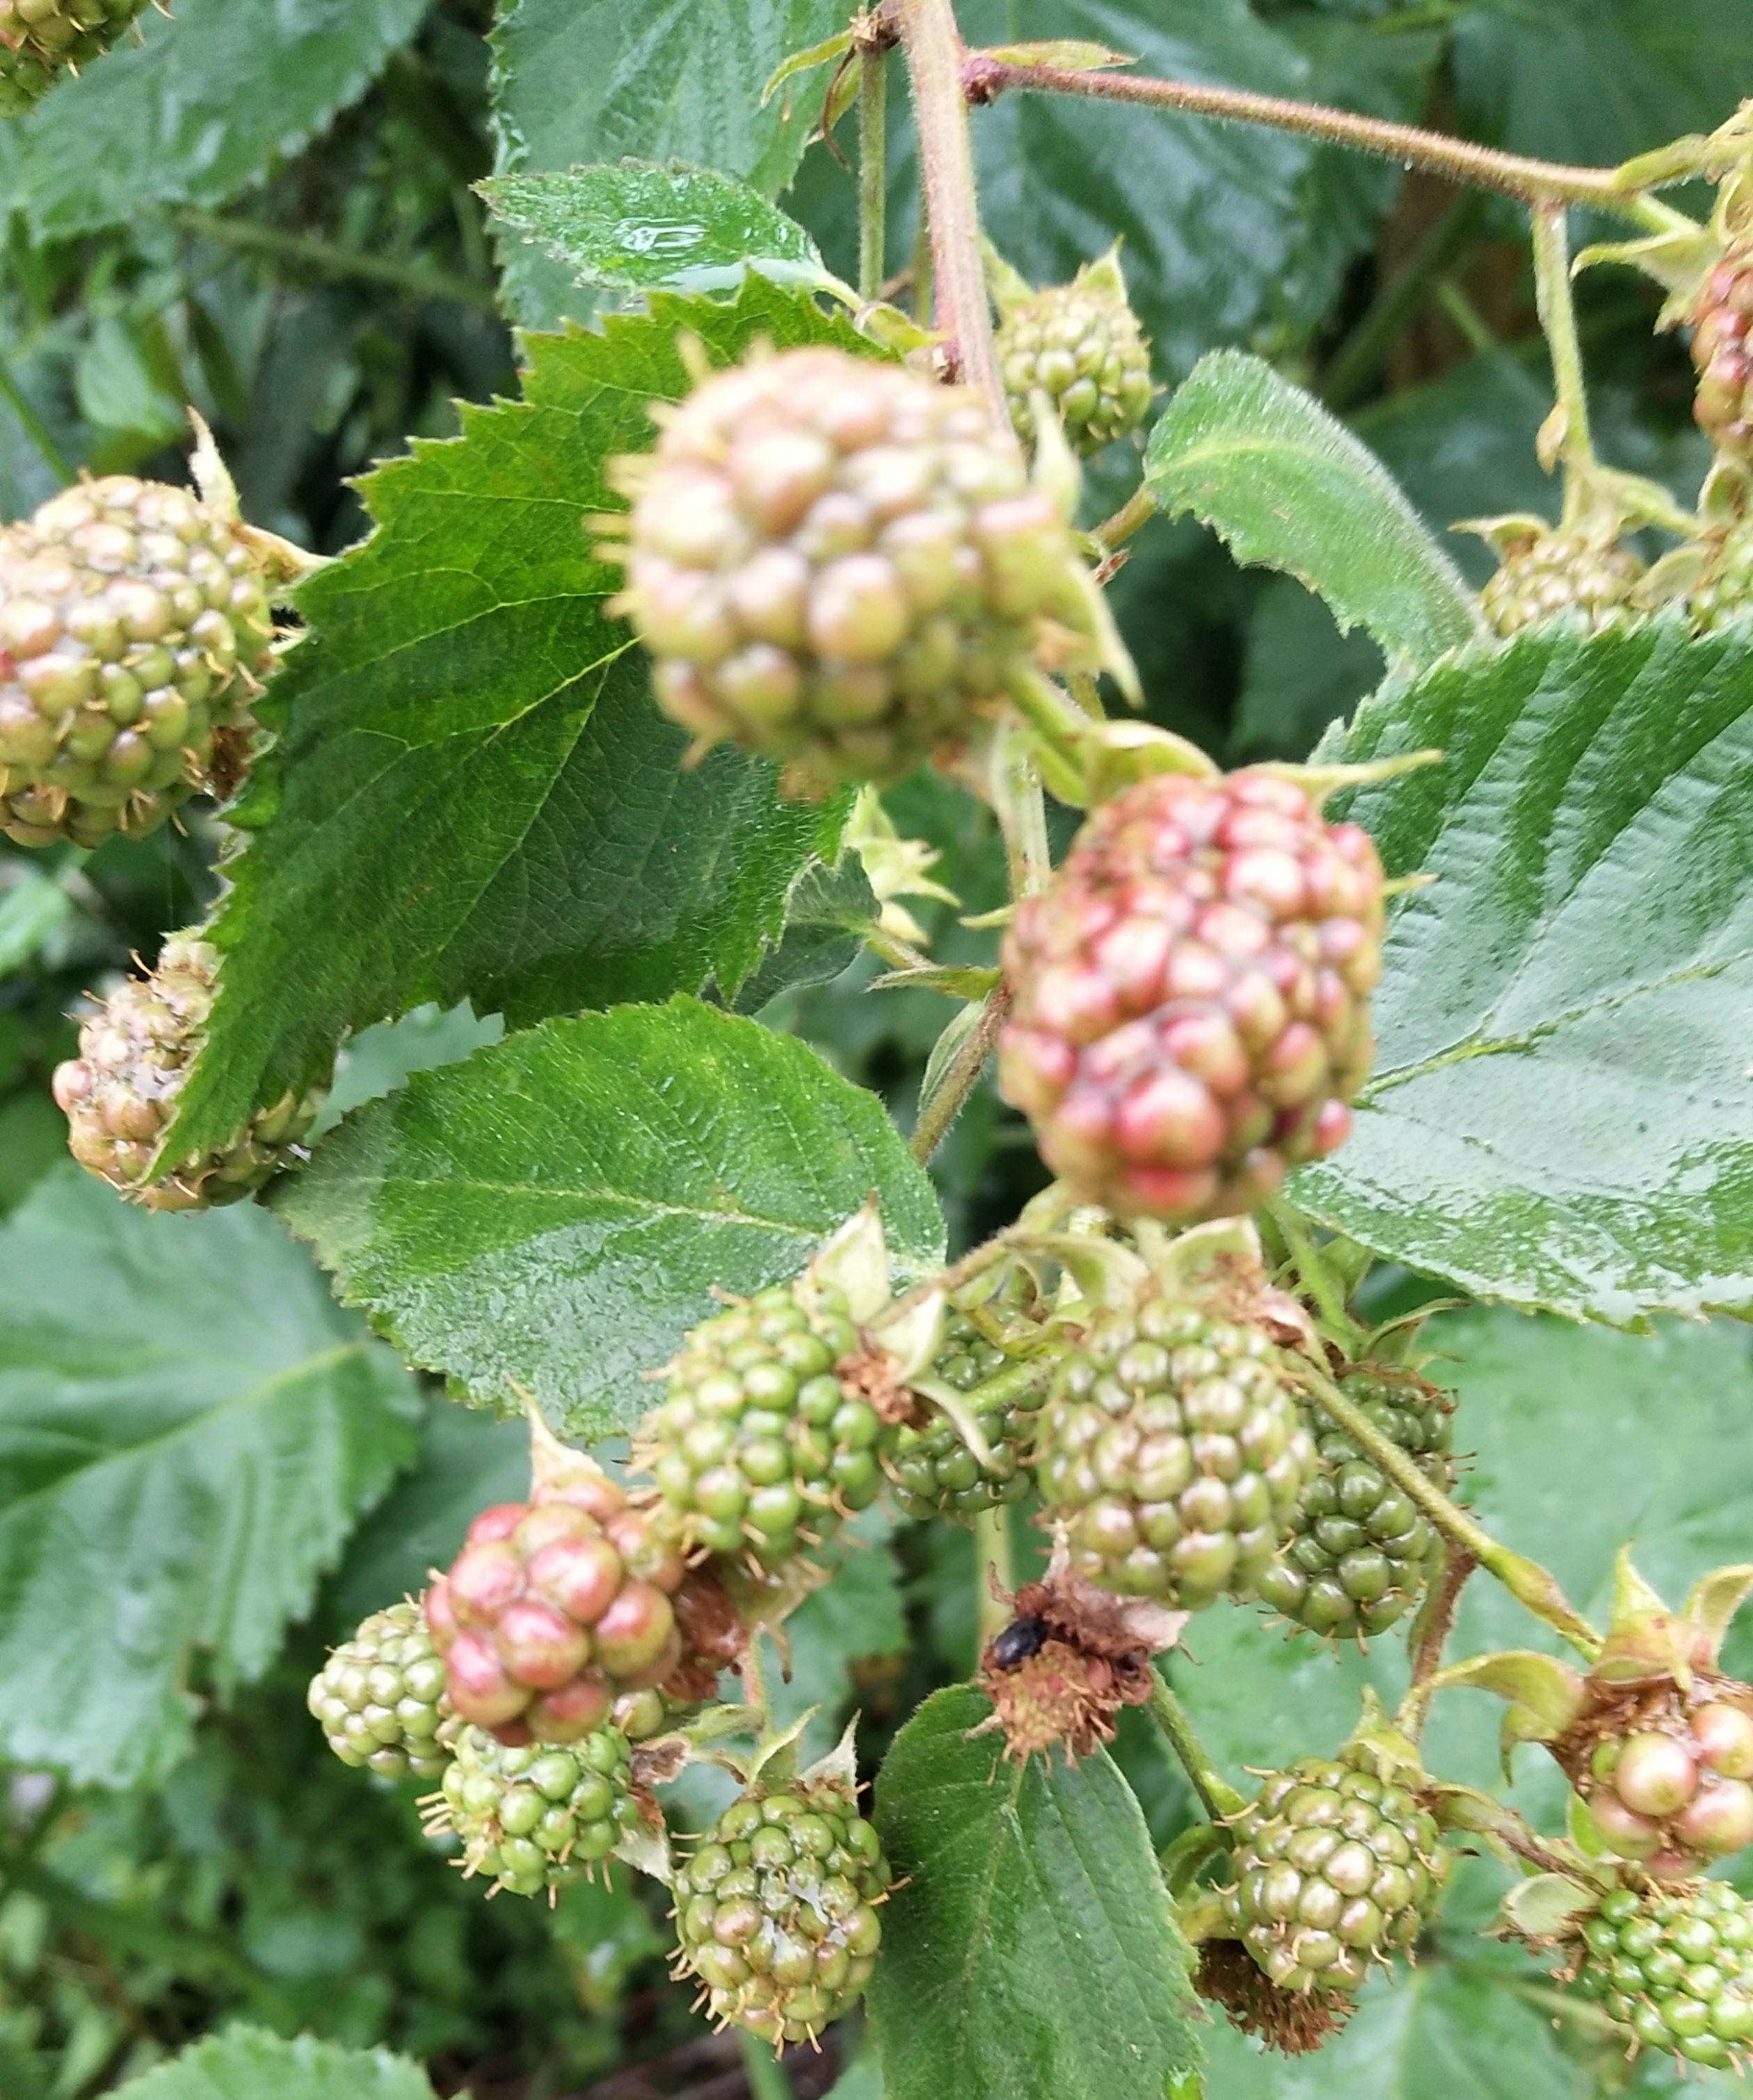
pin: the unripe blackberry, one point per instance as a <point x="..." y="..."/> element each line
<point x="1674" y="1967"/>
<point x="760" y="1438"/>
<point x="1172" y="1447"/>
<point x="380" y="1696"/>
<point x="536" y="1817"/>
<point x="777" y="1910"/>
<point x="553" y="1609"/>
<point x="1334" y="1869"/>
<point x="134" y="628"/>
<point x="120" y="1095"/>
<point x="1191" y="1013"/>
<point x="1544" y="573"/>
<point x="1359" y="1552"/>
<point x="42" y="39"/>
<point x="1666" y="1780"/>
<point x="832" y="560"/>
<point x="1080" y="344"/>
<point x="934" y="1472"/>
<point x="1724" y="402"/>
<point x="1724" y="591"/>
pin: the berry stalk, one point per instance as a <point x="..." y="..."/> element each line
<point x="873" y="169"/>
<point x="1526" y="1581"/>
<point x="1557" y="312"/>
<point x="963" y="1075"/>
<point x="986" y="75"/>
<point x="1219" y="1799"/>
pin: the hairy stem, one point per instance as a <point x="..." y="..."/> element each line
<point x="754" y="1675"/>
<point x="873" y="170"/>
<point x="934" y="58"/>
<point x="984" y="77"/>
<point x="993" y="1564"/>
<point x="329" y="260"/>
<point x="1430" y="1633"/>
<point x="1219" y="1799"/>
<point x="1526" y="1581"/>
<point x="1557" y="311"/>
<point x="1315" y="1277"/>
<point x="1138" y="508"/>
<point x="962" y="1077"/>
<point x="974" y="1263"/>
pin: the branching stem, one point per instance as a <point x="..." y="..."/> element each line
<point x="1526" y="1581"/>
<point x="327" y="259"/>
<point x="986" y="77"/>
<point x="962" y="1077"/>
<point x="994" y="1564"/>
<point x="1430" y="1633"/>
<point x="1219" y="1799"/>
<point x="1557" y="311"/>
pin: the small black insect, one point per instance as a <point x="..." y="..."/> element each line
<point x="1012" y="1647"/>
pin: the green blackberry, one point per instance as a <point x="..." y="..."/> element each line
<point x="1081" y="345"/>
<point x="1724" y="591"/>
<point x="761" y="1438"/>
<point x="536" y="1817"/>
<point x="40" y="40"/>
<point x="1675" y="1968"/>
<point x="1334" y="1869"/>
<point x="380" y="1696"/>
<point x="934" y="1472"/>
<point x="777" y="1910"/>
<point x="1543" y="573"/>
<point x="1359" y="1552"/>
<point x="1172" y="1445"/>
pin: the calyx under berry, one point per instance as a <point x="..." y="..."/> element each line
<point x="1656" y="1741"/>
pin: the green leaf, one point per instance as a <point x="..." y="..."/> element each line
<point x="579" y="82"/>
<point x="1031" y="1948"/>
<point x="1560" y="1113"/>
<point x="249" y="2064"/>
<point x="378" y="1060"/>
<point x="1572" y="79"/>
<point x="208" y="100"/>
<point x="33" y="909"/>
<point x="1287" y="485"/>
<point x="189" y="1428"/>
<point x="558" y="1211"/>
<point x="1436" y="2030"/>
<point x="828" y="915"/>
<point x="638" y="226"/>
<point x="473" y="795"/>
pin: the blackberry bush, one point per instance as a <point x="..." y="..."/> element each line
<point x="929" y="1366"/>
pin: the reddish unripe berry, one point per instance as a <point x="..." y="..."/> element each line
<point x="499" y="1521"/>
<point x="1655" y="1774"/>
<point x="1718" y="1818"/>
<point x="484" y="1580"/>
<point x="575" y="1709"/>
<point x="1190" y="1011"/>
<point x="579" y="1576"/>
<point x="594" y="1492"/>
<point x="635" y="1631"/>
<point x="540" y="1647"/>
<point x="480" y="1689"/>
<point x="441" y="1617"/>
<point x="1626" y="1832"/>
<point x="649" y="1555"/>
<point x="1725" y="1736"/>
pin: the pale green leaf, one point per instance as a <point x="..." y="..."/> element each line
<point x="558" y="1212"/>
<point x="1031" y="1948"/>
<point x="248" y="2063"/>
<point x="637" y="227"/>
<point x="189" y="1428"/>
<point x="1289" y="487"/>
<point x="1560" y="1113"/>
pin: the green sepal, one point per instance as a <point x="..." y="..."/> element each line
<point x="840" y="1767"/>
<point x="854" y="1261"/>
<point x="806" y="61"/>
<point x="1713" y="1599"/>
<point x="1546" y="1696"/>
<point x="1392" y="1753"/>
<point x="1543" y="1907"/>
<point x="1183" y="1859"/>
